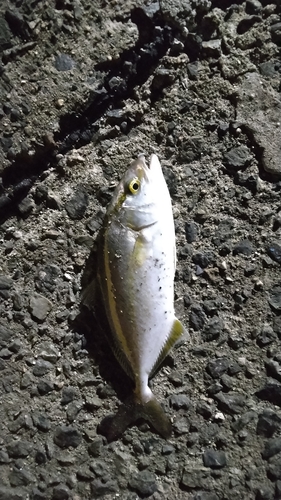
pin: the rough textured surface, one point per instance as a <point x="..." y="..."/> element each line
<point x="85" y="86"/>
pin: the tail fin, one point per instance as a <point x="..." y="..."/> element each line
<point x="113" y="426"/>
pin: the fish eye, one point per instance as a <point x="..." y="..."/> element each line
<point x="134" y="186"/>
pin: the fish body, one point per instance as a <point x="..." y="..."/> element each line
<point x="136" y="268"/>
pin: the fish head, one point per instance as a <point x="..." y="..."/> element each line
<point x="141" y="194"/>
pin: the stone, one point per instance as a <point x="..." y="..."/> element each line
<point x="95" y="448"/>
<point x="274" y="469"/>
<point x="41" y="421"/>
<point x="64" y="62"/>
<point x="45" y="386"/>
<point x="41" y="367"/>
<point x="274" y="251"/>
<point x="266" y="336"/>
<point x="268" y="423"/>
<point x="232" y="403"/>
<point x="101" y="488"/>
<point x="77" y="205"/>
<point x="10" y="494"/>
<point x="270" y="392"/>
<point x="40" y="307"/>
<point x="19" y="449"/>
<point x="258" y="107"/>
<point x="213" y="329"/>
<point x="20" y="477"/>
<point x="271" y="448"/>
<point x="217" y="367"/>
<point x="237" y="158"/>
<point x="144" y="483"/>
<point x="69" y="394"/>
<point x="181" y="425"/>
<point x="190" y="232"/>
<point x="273" y="369"/>
<point x="66" y="436"/>
<point x="180" y="401"/>
<point x="212" y="48"/>
<point x="203" y="259"/>
<point x="6" y="335"/>
<point x="274" y="297"/>
<point x="197" y="317"/>
<point x="60" y="492"/>
<point x="194" y="478"/>
<point x="244" y="247"/>
<point x="5" y="282"/>
<point x="214" y="459"/>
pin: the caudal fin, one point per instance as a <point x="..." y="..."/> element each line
<point x="113" y="426"/>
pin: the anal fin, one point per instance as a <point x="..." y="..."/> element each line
<point x="176" y="333"/>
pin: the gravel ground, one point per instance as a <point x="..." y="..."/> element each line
<point x="86" y="85"/>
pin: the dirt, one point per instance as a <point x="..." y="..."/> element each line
<point x="85" y="87"/>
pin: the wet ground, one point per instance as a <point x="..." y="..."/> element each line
<point x="85" y="87"/>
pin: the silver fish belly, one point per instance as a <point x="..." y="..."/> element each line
<point x="136" y="274"/>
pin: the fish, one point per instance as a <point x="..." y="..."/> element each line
<point x="135" y="272"/>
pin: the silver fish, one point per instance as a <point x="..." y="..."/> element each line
<point x="136" y="268"/>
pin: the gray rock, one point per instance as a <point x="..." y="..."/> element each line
<point x="11" y="494"/>
<point x="41" y="367"/>
<point x="20" y="477"/>
<point x="5" y="282"/>
<point x="274" y="251"/>
<point x="190" y="232"/>
<point x="19" y="449"/>
<point x="100" y="488"/>
<point x="271" y="448"/>
<point x="4" y="457"/>
<point x="274" y="297"/>
<point x="217" y="367"/>
<point x="244" y="247"/>
<point x="61" y="492"/>
<point x="274" y="469"/>
<point x="77" y="205"/>
<point x="213" y="329"/>
<point x="180" y="401"/>
<point x="268" y="423"/>
<point x="41" y="421"/>
<point x="205" y="495"/>
<point x="237" y="158"/>
<point x="40" y="307"/>
<point x="144" y="483"/>
<point x="232" y="403"/>
<point x="212" y="48"/>
<point x="196" y="478"/>
<point x="181" y="425"/>
<point x="95" y="447"/>
<point x="270" y="392"/>
<point x="66" y="436"/>
<point x="45" y="386"/>
<point x="6" y="335"/>
<point x="64" y="62"/>
<point x="197" y="317"/>
<point x="273" y="369"/>
<point x="258" y="113"/>
<point x="69" y="394"/>
<point x="214" y="459"/>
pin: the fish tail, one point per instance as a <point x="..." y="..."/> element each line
<point x="113" y="426"/>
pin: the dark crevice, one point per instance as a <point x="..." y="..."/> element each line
<point x="131" y="69"/>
